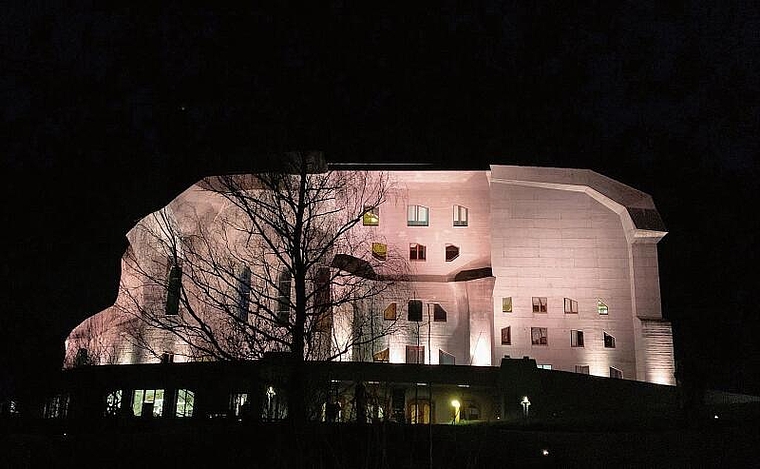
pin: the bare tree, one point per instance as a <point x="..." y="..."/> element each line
<point x="282" y="263"/>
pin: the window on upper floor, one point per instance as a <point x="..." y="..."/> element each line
<point x="539" y="336"/>
<point x="609" y="341"/>
<point x="389" y="314"/>
<point x="415" y="354"/>
<point x="460" y="215"/>
<point x="371" y="216"/>
<point x="417" y="252"/>
<point x="571" y="306"/>
<point x="506" y="335"/>
<point x="615" y="373"/>
<point x="417" y="215"/>
<point x="173" y="290"/>
<point x="506" y="304"/>
<point x="445" y="358"/>
<point x="167" y="357"/>
<point x="576" y="338"/>
<point x="414" y="310"/>
<point x="582" y="369"/>
<point x="452" y="252"/>
<point x="380" y="251"/>
<point x="601" y="308"/>
<point x="382" y="356"/>
<point x="544" y="366"/>
<point x="283" y="297"/>
<point x="539" y="304"/>
<point x="439" y="314"/>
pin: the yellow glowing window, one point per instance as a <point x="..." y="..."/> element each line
<point x="506" y="304"/>
<point x="379" y="251"/>
<point x="382" y="356"/>
<point x="390" y="312"/>
<point x="371" y="216"/>
<point x="602" y="308"/>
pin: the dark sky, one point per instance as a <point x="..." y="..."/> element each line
<point x="109" y="112"/>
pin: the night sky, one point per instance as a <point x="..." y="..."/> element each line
<point x="109" y="112"/>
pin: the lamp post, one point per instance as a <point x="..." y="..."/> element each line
<point x="456" y="404"/>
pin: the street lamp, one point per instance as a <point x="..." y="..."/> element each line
<point x="457" y="405"/>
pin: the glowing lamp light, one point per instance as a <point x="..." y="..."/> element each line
<point x="545" y="452"/>
<point x="715" y="416"/>
<point x="456" y="404"/>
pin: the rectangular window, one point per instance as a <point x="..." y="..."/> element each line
<point x="173" y="288"/>
<point x="506" y="335"/>
<point x="371" y="216"/>
<point x="390" y="312"/>
<point x="148" y="403"/>
<point x="167" y="357"/>
<point x="539" y="304"/>
<point x="439" y="314"/>
<point x="238" y="403"/>
<point x="615" y="373"/>
<point x="113" y="403"/>
<point x="416" y="252"/>
<point x="506" y="305"/>
<point x="609" y="341"/>
<point x="539" y="336"/>
<point x="544" y="366"/>
<point x="415" y="354"/>
<point x="56" y="407"/>
<point x="601" y="308"/>
<point x="582" y="369"/>
<point x="576" y="338"/>
<point x="185" y="403"/>
<point x="445" y="358"/>
<point x="460" y="215"/>
<point x="380" y="251"/>
<point x="571" y="306"/>
<point x="416" y="215"/>
<point x="414" y="310"/>
<point x="283" y="297"/>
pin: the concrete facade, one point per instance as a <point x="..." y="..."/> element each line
<point x="548" y="253"/>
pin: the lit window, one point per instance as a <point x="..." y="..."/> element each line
<point x="113" y="403"/>
<point x="283" y="297"/>
<point x="539" y="304"/>
<point x="382" y="356"/>
<point x="416" y="215"/>
<point x="419" y="411"/>
<point x="460" y="215"/>
<point x="379" y="251"/>
<point x="173" y="287"/>
<point x="390" y="312"/>
<point x="539" y="336"/>
<point x="56" y="407"/>
<point x="615" y="373"/>
<point x="148" y="403"/>
<point x="576" y="338"/>
<point x="452" y="252"/>
<point x="415" y="354"/>
<point x="371" y="216"/>
<point x="544" y="366"/>
<point x="602" y="308"/>
<point x="238" y="403"/>
<point x="506" y="304"/>
<point x="571" y="306"/>
<point x="609" y="341"/>
<point x="414" y="312"/>
<point x="416" y="252"/>
<point x="184" y="403"/>
<point x="445" y="358"/>
<point x="506" y="335"/>
<point x="439" y="314"/>
<point x="582" y="369"/>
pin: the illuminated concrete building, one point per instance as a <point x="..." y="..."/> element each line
<point x="559" y="265"/>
